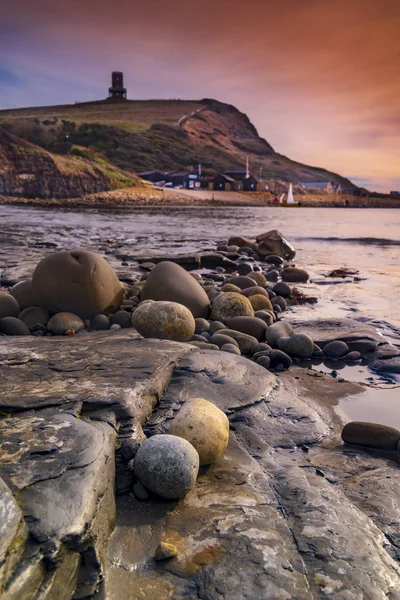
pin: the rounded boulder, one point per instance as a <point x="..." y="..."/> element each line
<point x="23" y="293"/>
<point x="299" y="344"/>
<point x="167" y="465"/>
<point x="336" y="349"/>
<point x="294" y="275"/>
<point x="205" y="426"/>
<point x="372" y="435"/>
<point x="62" y="322"/>
<point x="34" y="315"/>
<point x="169" y="282"/>
<point x="77" y="281"/>
<point x="9" y="307"/>
<point x="228" y="305"/>
<point x="260" y="302"/>
<point x="250" y="325"/>
<point x="13" y="326"/>
<point x="164" y="320"/>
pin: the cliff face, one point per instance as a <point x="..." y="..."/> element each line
<point x="164" y="135"/>
<point x="29" y="171"/>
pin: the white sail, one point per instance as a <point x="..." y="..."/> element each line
<point x="281" y="199"/>
<point x="291" y="199"/>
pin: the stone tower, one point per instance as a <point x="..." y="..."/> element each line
<point x="117" y="90"/>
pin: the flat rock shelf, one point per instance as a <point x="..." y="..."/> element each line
<point x="287" y="512"/>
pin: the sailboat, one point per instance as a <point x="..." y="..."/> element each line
<point x="290" y="198"/>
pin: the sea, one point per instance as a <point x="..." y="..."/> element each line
<point x="364" y="240"/>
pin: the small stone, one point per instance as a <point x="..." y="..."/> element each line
<point x="9" y="307"/>
<point x="165" y="551"/>
<point x="253" y="290"/>
<point x="294" y="275"/>
<point x="122" y="318"/>
<point x="167" y="465"/>
<point x="204" y="345"/>
<point x="201" y="325"/>
<point x="164" y="320"/>
<point x="100" y="323"/>
<point x="260" y="302"/>
<point x="140" y="491"/>
<point x="251" y="325"/>
<point x="34" y="316"/>
<point x="274" y="259"/>
<point x="115" y="327"/>
<point x="13" y="326"/>
<point x="276" y="331"/>
<point x="259" y="279"/>
<point x="264" y="361"/>
<point x="23" y="293"/>
<point x="279" y="301"/>
<point x="220" y="339"/>
<point x="279" y="360"/>
<point x="336" y="349"/>
<point x="230" y="304"/>
<point x="353" y="356"/>
<point x="216" y="326"/>
<point x="231" y="348"/>
<point x="229" y="287"/>
<point x="272" y="276"/>
<point x="246" y="342"/>
<point x="244" y="268"/>
<point x="205" y="426"/>
<point x="299" y="344"/>
<point x="241" y="281"/>
<point x="282" y="289"/>
<point x="206" y="335"/>
<point x="371" y="435"/>
<point x="64" y="322"/>
<point x="267" y="316"/>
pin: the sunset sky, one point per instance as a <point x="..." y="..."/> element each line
<point x="320" y="79"/>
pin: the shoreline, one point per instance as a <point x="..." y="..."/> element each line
<point x="144" y="197"/>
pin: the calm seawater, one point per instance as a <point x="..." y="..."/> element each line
<point x="363" y="239"/>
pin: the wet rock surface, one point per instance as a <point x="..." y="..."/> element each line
<point x="276" y="516"/>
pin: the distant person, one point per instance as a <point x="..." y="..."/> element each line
<point x="276" y="200"/>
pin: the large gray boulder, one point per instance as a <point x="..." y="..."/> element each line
<point x="77" y="281"/>
<point x="167" y="465"/>
<point x="170" y="282"/>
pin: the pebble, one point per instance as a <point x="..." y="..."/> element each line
<point x="201" y="325"/>
<point x="282" y="289"/>
<point x="294" y="275"/>
<point x="244" y="268"/>
<point x="220" y="339"/>
<point x="167" y="465"/>
<point x="276" y="331"/>
<point x="231" y="348"/>
<point x="13" y="326"/>
<point x="241" y="281"/>
<point x="9" y="307"/>
<point x="264" y="361"/>
<point x="100" y="323"/>
<point x="299" y="344"/>
<point x="246" y="342"/>
<point x="260" y="302"/>
<point x="140" y="492"/>
<point x="336" y="349"/>
<point x="216" y="326"/>
<point x="353" y="356"/>
<point x="115" y="327"/>
<point x="258" y="278"/>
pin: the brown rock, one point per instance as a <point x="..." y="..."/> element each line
<point x="171" y="283"/>
<point x="64" y="322"/>
<point x="23" y="293"/>
<point x="294" y="275"/>
<point x="241" y="281"/>
<point x="228" y="305"/>
<point x="240" y="241"/>
<point x="164" y="320"/>
<point x="259" y="278"/>
<point x="255" y="289"/>
<point x="260" y="302"/>
<point x="273" y="242"/>
<point x="165" y="551"/>
<point x="250" y="325"/>
<point x="371" y="435"/>
<point x="78" y="282"/>
<point x="34" y="315"/>
<point x="9" y="307"/>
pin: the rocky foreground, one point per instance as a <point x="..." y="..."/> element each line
<point x="286" y="511"/>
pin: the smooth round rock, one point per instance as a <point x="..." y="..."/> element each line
<point x="34" y="315"/>
<point x="253" y="290"/>
<point x="353" y="356"/>
<point x="336" y="349"/>
<point x="241" y="281"/>
<point x="260" y="302"/>
<point x="279" y="301"/>
<point x="279" y="360"/>
<point x="13" y="326"/>
<point x="264" y="361"/>
<point x="65" y="321"/>
<point x="204" y="345"/>
<point x="250" y="325"/>
<point x="371" y="435"/>
<point x="79" y="282"/>
<point x="276" y="331"/>
<point x="9" y="307"/>
<point x="201" y="325"/>
<point x="170" y="282"/>
<point x="244" y="268"/>
<point x="167" y="465"/>
<point x="164" y="320"/>
<point x="299" y="344"/>
<point x="259" y="278"/>
<point x="228" y="305"/>
<point x="262" y="347"/>
<point x="294" y="275"/>
<point x="206" y="335"/>
<point x="220" y="340"/>
<point x="246" y="342"/>
<point x="282" y="289"/>
<point x="229" y="287"/>
<point x="216" y="326"/>
<point x="115" y="327"/>
<point x="123" y="318"/>
<point x="100" y="323"/>
<point x="23" y="293"/>
<point x="231" y="348"/>
<point x="272" y="276"/>
<point x="140" y="492"/>
<point x="274" y="259"/>
<point x="265" y="315"/>
<point x="205" y="426"/>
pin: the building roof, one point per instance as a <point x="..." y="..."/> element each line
<point x="316" y="184"/>
<point x="226" y="177"/>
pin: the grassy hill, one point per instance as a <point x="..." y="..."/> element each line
<point x="163" y="135"/>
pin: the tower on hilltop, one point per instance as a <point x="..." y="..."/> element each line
<point x="117" y="90"/>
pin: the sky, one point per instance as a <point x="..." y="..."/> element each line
<point x="320" y="79"/>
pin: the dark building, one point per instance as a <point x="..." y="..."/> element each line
<point x="242" y="181"/>
<point x="153" y="176"/>
<point x="223" y="183"/>
<point x="117" y="90"/>
<point x="190" y="181"/>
